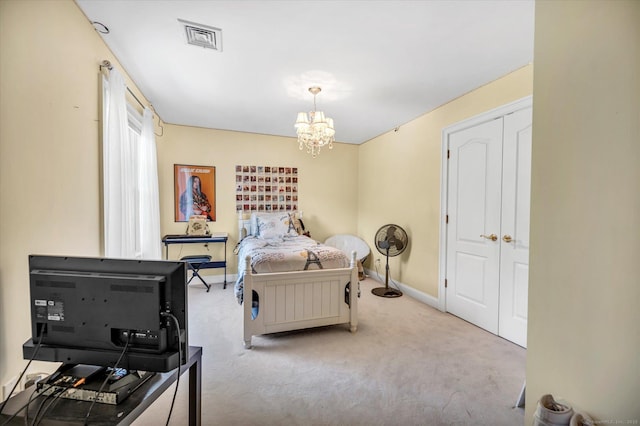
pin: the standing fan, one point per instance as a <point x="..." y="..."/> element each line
<point x="391" y="240"/>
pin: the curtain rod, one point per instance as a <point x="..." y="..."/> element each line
<point x="106" y="64"/>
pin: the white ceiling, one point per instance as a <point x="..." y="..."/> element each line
<point x="380" y="63"/>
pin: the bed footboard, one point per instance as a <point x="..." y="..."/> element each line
<point x="303" y="299"/>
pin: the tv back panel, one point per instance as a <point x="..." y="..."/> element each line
<point x="82" y="307"/>
<point x="87" y="310"/>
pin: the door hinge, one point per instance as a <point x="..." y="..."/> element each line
<point x="445" y="283"/>
<point x="446" y="219"/>
<point x="448" y="154"/>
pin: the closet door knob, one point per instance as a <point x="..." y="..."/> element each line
<point x="492" y="237"/>
<point x="508" y="239"/>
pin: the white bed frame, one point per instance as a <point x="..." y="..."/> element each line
<point x="301" y="299"/>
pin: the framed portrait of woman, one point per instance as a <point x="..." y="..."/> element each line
<point x="194" y="192"/>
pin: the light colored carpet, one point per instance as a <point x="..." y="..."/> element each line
<point x="408" y="364"/>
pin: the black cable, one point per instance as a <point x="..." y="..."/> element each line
<point x="35" y="418"/>
<point x="106" y="379"/>
<point x="60" y="392"/>
<point x="391" y="279"/>
<point x="175" y="392"/>
<point x="35" y="352"/>
<point x="31" y="399"/>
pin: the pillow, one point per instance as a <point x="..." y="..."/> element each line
<point x="275" y="225"/>
<point x="253" y="220"/>
<point x="297" y="223"/>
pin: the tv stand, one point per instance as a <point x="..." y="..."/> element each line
<point x="131" y="360"/>
<point x="73" y="412"/>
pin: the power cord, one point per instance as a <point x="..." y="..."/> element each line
<point x="31" y="399"/>
<point x="56" y="396"/>
<point x="35" y="352"/>
<point x="390" y="279"/>
<point x="106" y="379"/>
<point x="175" y="392"/>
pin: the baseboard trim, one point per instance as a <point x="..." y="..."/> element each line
<point x="420" y="296"/>
<point x="218" y="278"/>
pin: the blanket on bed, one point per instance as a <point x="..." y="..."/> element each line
<point x="299" y="253"/>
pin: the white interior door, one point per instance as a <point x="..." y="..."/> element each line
<point x="514" y="250"/>
<point x="473" y="242"/>
<point x="488" y="205"/>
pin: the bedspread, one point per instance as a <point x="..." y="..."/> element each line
<point x="284" y="255"/>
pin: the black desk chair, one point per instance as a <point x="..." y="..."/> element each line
<point x="194" y="263"/>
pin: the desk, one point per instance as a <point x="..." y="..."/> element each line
<point x="73" y="412"/>
<point x="204" y="239"/>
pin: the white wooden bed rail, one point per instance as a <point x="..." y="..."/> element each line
<point x="302" y="299"/>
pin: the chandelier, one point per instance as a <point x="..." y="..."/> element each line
<point x="314" y="130"/>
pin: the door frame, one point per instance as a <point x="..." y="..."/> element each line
<point x="498" y="112"/>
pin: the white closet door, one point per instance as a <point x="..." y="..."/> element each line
<point x="514" y="252"/>
<point x="473" y="235"/>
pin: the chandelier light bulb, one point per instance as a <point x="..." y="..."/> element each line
<point x="314" y="130"/>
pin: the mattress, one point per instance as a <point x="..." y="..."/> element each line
<point x="288" y="254"/>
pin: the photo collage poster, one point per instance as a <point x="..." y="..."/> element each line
<point x="266" y="188"/>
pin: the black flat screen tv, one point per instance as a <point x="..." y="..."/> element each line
<point x="86" y="310"/>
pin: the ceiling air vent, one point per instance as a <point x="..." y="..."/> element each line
<point x="202" y="35"/>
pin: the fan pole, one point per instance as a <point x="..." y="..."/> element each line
<point x="386" y="291"/>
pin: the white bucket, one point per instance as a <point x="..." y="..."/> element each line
<point x="552" y="413"/>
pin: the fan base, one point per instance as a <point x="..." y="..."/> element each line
<point x="386" y="292"/>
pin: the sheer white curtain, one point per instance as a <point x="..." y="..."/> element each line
<point x="131" y="201"/>
<point x="149" y="193"/>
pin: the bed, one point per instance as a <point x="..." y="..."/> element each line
<point x="294" y="281"/>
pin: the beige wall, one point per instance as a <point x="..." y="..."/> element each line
<point x="327" y="184"/>
<point x="584" y="288"/>
<point x="399" y="179"/>
<point x="49" y="151"/>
